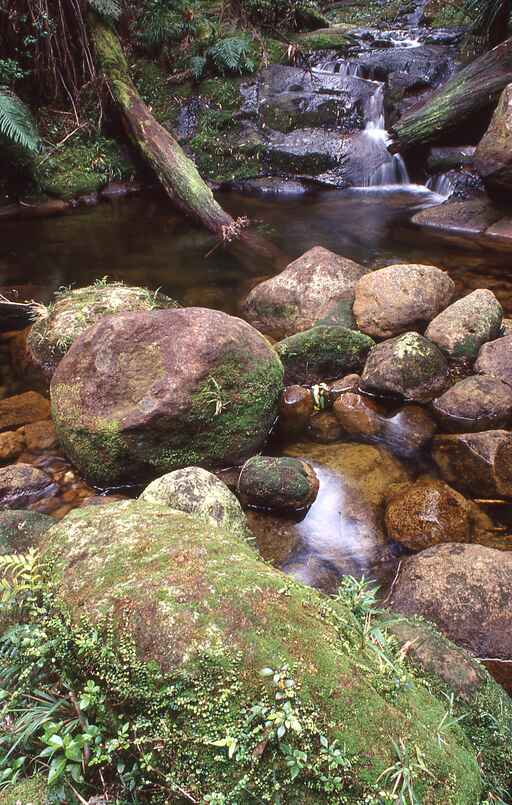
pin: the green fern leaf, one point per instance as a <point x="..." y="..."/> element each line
<point x="17" y="126"/>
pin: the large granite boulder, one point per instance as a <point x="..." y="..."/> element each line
<point x="407" y="366"/>
<point x="461" y="329"/>
<point x="493" y="157"/>
<point x="478" y="464"/>
<point x="215" y="625"/>
<point x="495" y="359"/>
<point x="196" y="491"/>
<point x="399" y="298"/>
<point x="323" y="353"/>
<point x="141" y="394"/>
<point x="58" y="325"/>
<point x="466" y="591"/>
<point x="303" y="293"/>
<point x="477" y="403"/>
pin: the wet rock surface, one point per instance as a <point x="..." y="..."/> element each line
<point x="407" y="366"/>
<point x="495" y="359"/>
<point x="21" y="484"/>
<point x="478" y="464"/>
<point x="142" y="394"/>
<point x="282" y="484"/>
<point x="304" y="292"/>
<point x="476" y="403"/>
<point x="23" y="409"/>
<point x="400" y="298"/>
<point x="493" y="158"/>
<point x="322" y="353"/>
<point x="295" y="409"/>
<point x="466" y="325"/>
<point x="466" y="591"/>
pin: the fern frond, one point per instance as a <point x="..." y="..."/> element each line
<point x="109" y="9"/>
<point x="17" y="126"/>
<point x="232" y="54"/>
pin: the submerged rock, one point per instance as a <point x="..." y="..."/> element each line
<point x="495" y="359"/>
<point x="493" y="157"/>
<point x="466" y="591"/>
<point x="21" y="530"/>
<point x="409" y="366"/>
<point x="200" y="493"/>
<point x="462" y="329"/>
<point x="21" y="484"/>
<point x="323" y="353"/>
<point x="400" y="298"/>
<point x="305" y="291"/>
<point x="202" y="599"/>
<point x="142" y="394"/>
<point x="478" y="464"/>
<point x="285" y="484"/>
<point x="474" y="404"/>
<point x="324" y="427"/>
<point x="75" y="310"/>
<point x="426" y="513"/>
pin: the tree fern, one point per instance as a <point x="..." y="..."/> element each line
<point x="109" y="9"/>
<point x="17" y="126"/>
<point x="232" y="55"/>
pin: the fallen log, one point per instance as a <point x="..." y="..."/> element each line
<point x="473" y="90"/>
<point x="15" y="315"/>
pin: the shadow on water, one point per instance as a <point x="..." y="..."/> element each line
<point x="142" y="241"/>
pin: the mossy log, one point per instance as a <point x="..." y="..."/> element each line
<point x="176" y="172"/>
<point x="473" y="90"/>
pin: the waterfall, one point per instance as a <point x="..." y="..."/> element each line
<point x="390" y="173"/>
<point x="441" y="184"/>
<point x="392" y="170"/>
<point x="340" y="67"/>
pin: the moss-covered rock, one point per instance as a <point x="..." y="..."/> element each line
<point x="32" y="791"/>
<point x="21" y="530"/>
<point x="74" y="310"/>
<point x="205" y="610"/>
<point x="323" y="353"/>
<point x="283" y="483"/>
<point x="142" y="394"/>
<point x="463" y="327"/>
<point x="198" y="492"/>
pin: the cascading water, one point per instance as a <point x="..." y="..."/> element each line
<point x="441" y="184"/>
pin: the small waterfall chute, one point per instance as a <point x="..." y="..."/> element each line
<point x="441" y="184"/>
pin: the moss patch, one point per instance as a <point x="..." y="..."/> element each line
<point x="32" y="791"/>
<point x="323" y="352"/>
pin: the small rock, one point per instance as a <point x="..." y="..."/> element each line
<point x="325" y="428"/>
<point x="475" y="404"/>
<point x="427" y="512"/>
<point x="21" y="484"/>
<point x="409" y="366"/>
<point x="12" y="445"/>
<point x="322" y="353"/>
<point x="495" y="358"/>
<point x="285" y="484"/>
<point x="347" y="383"/>
<point x="465" y="590"/>
<point x="39" y="435"/>
<point x="462" y="329"/>
<point x="295" y="409"/>
<point x="198" y="492"/>
<point x="477" y="464"/>
<point x="303" y="293"/>
<point x="400" y="298"/>
<point x="20" y="530"/>
<point x="23" y="409"/>
<point x="358" y="415"/>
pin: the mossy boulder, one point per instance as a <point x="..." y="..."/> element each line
<point x="142" y="394"/>
<point x="408" y="366"/>
<point x="284" y="483"/>
<point x="75" y="310"/>
<point x="196" y="491"/>
<point x="210" y="617"/>
<point x="21" y="530"/>
<point x="461" y="329"/>
<point x="322" y="353"/>
<point x="32" y="791"/>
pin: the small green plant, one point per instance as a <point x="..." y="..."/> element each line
<point x="404" y="775"/>
<point x="17" y="126"/>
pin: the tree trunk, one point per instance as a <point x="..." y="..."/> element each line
<point x="474" y="90"/>
<point x="176" y="172"/>
<point x="499" y="28"/>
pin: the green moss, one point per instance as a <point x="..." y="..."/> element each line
<point x="32" y="791"/>
<point x="371" y="13"/>
<point x="335" y="38"/>
<point x="323" y="352"/>
<point x="81" y="166"/>
<point x="164" y="101"/>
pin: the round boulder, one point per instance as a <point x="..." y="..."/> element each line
<point x="408" y="366"/>
<point x="317" y="285"/>
<point x="427" y="512"/>
<point x="198" y="492"/>
<point x="142" y="394"/>
<point x="21" y="530"/>
<point x="399" y="298"/>
<point x="461" y="329"/>
<point x="466" y="591"/>
<point x="286" y="484"/>
<point x="475" y="404"/>
<point x="478" y="464"/>
<point x="323" y="353"/>
<point x="75" y="310"/>
<point x="495" y="359"/>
